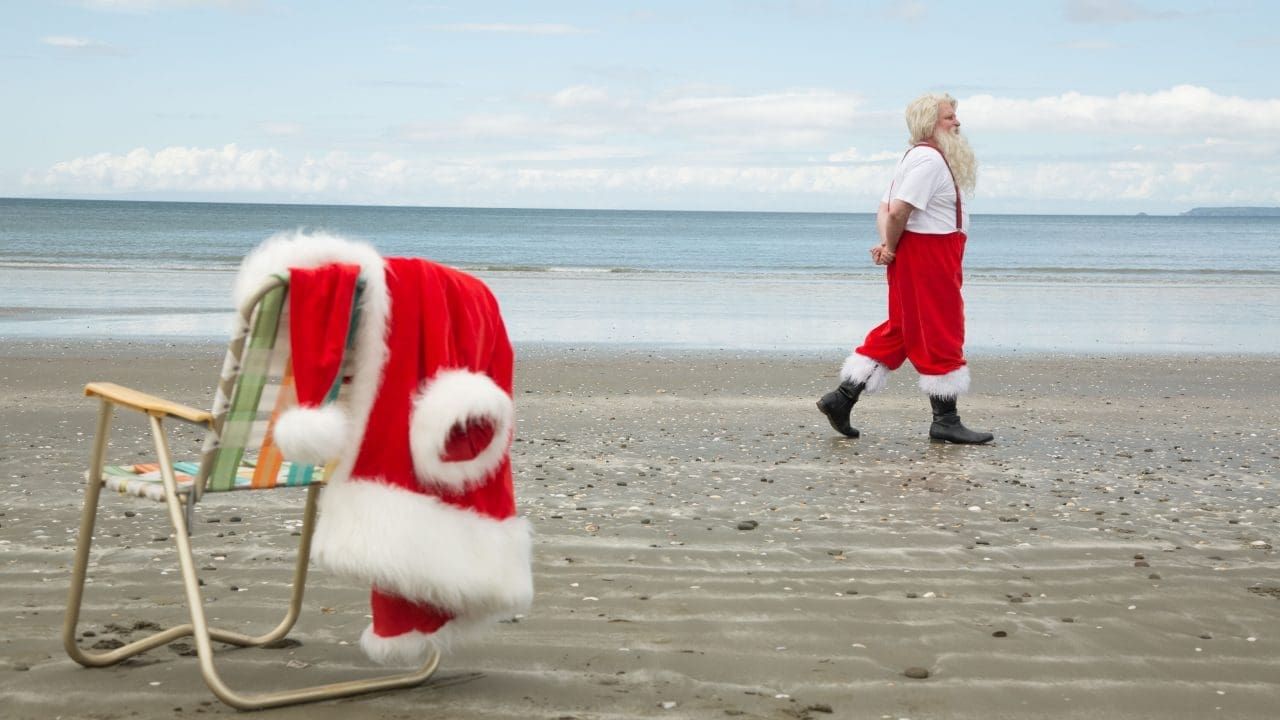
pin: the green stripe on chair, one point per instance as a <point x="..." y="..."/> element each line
<point x="244" y="406"/>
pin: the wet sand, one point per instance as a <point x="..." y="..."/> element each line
<point x="707" y="548"/>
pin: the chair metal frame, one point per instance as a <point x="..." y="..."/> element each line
<point x="181" y="514"/>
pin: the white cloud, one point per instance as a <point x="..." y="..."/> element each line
<point x="796" y="149"/>
<point x="1112" y="12"/>
<point x="853" y="155"/>
<point x="661" y="179"/>
<point x="562" y="154"/>
<point x="1261" y="41"/>
<point x="146" y="6"/>
<point x="692" y="122"/>
<point x="82" y="45"/>
<point x="64" y="41"/>
<point x="526" y="29"/>
<point x="1090" y="45"/>
<point x="182" y="169"/>
<point x="579" y="96"/>
<point x="908" y="11"/>
<point x="411" y="84"/>
<point x="1240" y="147"/>
<point x="282" y="129"/>
<point x="810" y="110"/>
<point x="778" y="121"/>
<point x="1168" y="183"/>
<point x="231" y="169"/>
<point x="486" y="127"/>
<point x="602" y="175"/>
<point x="1184" y="109"/>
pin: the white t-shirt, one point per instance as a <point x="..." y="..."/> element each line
<point x="923" y="180"/>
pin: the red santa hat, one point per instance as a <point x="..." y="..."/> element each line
<point x="421" y="503"/>
<point x="320" y="305"/>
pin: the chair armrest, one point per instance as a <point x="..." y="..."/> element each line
<point x="148" y="404"/>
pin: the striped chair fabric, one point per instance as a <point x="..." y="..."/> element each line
<point x="254" y="388"/>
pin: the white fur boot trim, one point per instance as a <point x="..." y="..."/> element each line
<point x="455" y="398"/>
<point x="948" y="386"/>
<point x="862" y="369"/>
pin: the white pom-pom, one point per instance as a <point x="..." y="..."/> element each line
<point x="456" y="397"/>
<point x="311" y="435"/>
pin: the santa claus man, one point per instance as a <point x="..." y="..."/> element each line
<point x="420" y="503"/>
<point x="923" y="228"/>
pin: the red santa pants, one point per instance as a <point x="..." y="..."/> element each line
<point x="926" y="311"/>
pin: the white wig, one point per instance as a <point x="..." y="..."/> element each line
<point x="922" y="115"/>
<point x="922" y="118"/>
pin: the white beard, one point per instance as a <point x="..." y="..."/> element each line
<point x="955" y="147"/>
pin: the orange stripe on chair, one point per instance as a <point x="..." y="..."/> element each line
<point x="267" y="470"/>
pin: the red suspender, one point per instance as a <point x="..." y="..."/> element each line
<point x="959" y="215"/>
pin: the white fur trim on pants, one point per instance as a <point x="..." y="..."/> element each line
<point x="423" y="549"/>
<point x="454" y="398"/>
<point x="862" y="369"/>
<point x="948" y="386"/>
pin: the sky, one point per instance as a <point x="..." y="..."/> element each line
<point x="1072" y="106"/>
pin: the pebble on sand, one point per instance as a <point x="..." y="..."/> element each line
<point x="916" y="673"/>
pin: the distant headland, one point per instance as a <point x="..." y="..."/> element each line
<point x="1234" y="212"/>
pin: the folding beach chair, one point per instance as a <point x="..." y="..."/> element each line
<point x="238" y="454"/>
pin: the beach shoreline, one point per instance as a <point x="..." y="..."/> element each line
<point x="1110" y="555"/>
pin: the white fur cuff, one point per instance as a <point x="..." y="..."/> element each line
<point x="425" y="550"/>
<point x="950" y="385"/>
<point x="313" y="435"/>
<point x="862" y="369"/>
<point x="452" y="399"/>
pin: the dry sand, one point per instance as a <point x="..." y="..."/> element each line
<point x="1110" y="556"/>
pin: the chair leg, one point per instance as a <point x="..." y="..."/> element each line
<point x="198" y="628"/>
<point x="93" y="489"/>
<point x="301" y="565"/>
<point x="92" y="494"/>
<point x="203" y="635"/>
<point x="75" y="601"/>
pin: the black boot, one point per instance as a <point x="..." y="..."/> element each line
<point x="947" y="426"/>
<point x="837" y="405"/>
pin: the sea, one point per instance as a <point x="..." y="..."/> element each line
<point x="725" y="281"/>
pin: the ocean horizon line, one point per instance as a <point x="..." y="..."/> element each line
<point x="1140" y="214"/>
<point x="974" y="274"/>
